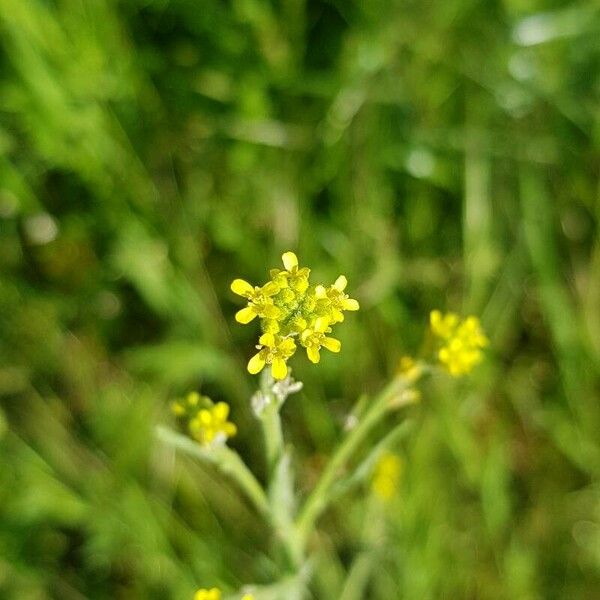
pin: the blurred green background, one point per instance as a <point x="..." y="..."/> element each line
<point x="440" y="154"/>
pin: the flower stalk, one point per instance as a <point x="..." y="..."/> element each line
<point x="392" y="397"/>
<point x="227" y="461"/>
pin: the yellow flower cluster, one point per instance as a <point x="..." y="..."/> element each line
<point x="206" y="422"/>
<point x="292" y="312"/>
<point x="215" y="594"/>
<point x="212" y="594"/>
<point x="387" y="476"/>
<point x="461" y="341"/>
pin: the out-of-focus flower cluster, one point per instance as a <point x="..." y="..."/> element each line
<point x="206" y="422"/>
<point x="461" y="343"/>
<point x="215" y="594"/>
<point x="204" y="594"/>
<point x="292" y="313"/>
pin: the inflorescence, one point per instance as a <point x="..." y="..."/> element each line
<point x="215" y="594"/>
<point x="204" y="594"/>
<point x="206" y="422"/>
<point x="292" y="313"/>
<point x="461" y="341"/>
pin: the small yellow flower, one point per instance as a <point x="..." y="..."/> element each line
<point x="462" y="341"/>
<point x="210" y="425"/>
<point x="272" y="350"/>
<point x="387" y="476"/>
<point x="314" y="339"/>
<point x="212" y="594"/>
<point x="248" y="597"/>
<point x="335" y="299"/>
<point x="294" y="276"/>
<point x="260" y="301"/>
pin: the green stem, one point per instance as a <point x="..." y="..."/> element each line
<point x="227" y="461"/>
<point x="320" y="497"/>
<point x="271" y="425"/>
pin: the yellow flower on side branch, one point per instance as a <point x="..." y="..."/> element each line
<point x="292" y="312"/>
<point x="206" y="422"/>
<point x="204" y="594"/>
<point x="462" y="342"/>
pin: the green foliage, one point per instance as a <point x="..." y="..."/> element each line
<point x="440" y="155"/>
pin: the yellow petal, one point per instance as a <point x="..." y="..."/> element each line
<point x="245" y="315"/>
<point x="290" y="260"/>
<point x="320" y="292"/>
<point x="338" y="316"/>
<point x="300" y="284"/>
<point x="340" y="283"/>
<point x="331" y="344"/>
<point x="205" y="417"/>
<point x="241" y="287"/>
<point x="287" y="346"/>
<point x="435" y="317"/>
<point x="193" y="398"/>
<point x="256" y="364"/>
<point x="201" y="595"/>
<point x="278" y="368"/>
<point x="350" y="304"/>
<point x="267" y="339"/>
<point x="299" y="324"/>
<point x="214" y="594"/>
<point x="270" y="288"/>
<point x="321" y="324"/>
<point x="230" y="429"/>
<point x="271" y="326"/>
<point x="271" y="312"/>
<point x="279" y="278"/>
<point x="313" y="354"/>
<point x="221" y="411"/>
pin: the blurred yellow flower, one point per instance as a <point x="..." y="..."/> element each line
<point x="462" y="342"/>
<point x="206" y="421"/>
<point x="247" y="597"/>
<point x="204" y="594"/>
<point x="292" y="312"/>
<point x="210" y="425"/>
<point x="386" y="477"/>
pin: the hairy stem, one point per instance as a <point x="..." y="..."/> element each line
<point x="273" y="435"/>
<point x="226" y="460"/>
